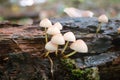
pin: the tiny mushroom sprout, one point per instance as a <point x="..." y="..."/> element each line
<point x="87" y="14"/>
<point x="58" y="39"/>
<point x="53" y="30"/>
<point x="118" y="30"/>
<point x="46" y="23"/>
<point x="50" y="47"/>
<point x="78" y="46"/>
<point x="69" y="37"/>
<point x="101" y="19"/>
<point x="58" y="25"/>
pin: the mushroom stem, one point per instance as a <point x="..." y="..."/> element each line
<point x="56" y="52"/>
<point x="51" y="66"/>
<point x="70" y="54"/>
<point x="46" y="37"/>
<point x="65" y="47"/>
<point x="47" y="53"/>
<point x="99" y="27"/>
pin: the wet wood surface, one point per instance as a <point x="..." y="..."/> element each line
<point x="105" y="50"/>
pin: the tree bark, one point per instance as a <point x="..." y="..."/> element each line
<point x="104" y="47"/>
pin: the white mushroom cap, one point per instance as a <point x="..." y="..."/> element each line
<point x="53" y="30"/>
<point x="87" y="14"/>
<point x="69" y="36"/>
<point x="73" y="12"/>
<point x="45" y="23"/>
<point x="103" y="18"/>
<point x="58" y="39"/>
<point x="51" y="47"/>
<point x="58" y="25"/>
<point x="79" y="46"/>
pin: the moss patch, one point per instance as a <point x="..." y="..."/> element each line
<point x="73" y="73"/>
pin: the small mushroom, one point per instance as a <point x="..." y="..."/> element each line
<point x="50" y="47"/>
<point x="58" y="25"/>
<point x="58" y="39"/>
<point x="46" y="23"/>
<point x="53" y="30"/>
<point x="69" y="37"/>
<point x="102" y="19"/>
<point x="78" y="46"/>
<point x="118" y="30"/>
<point x="87" y="14"/>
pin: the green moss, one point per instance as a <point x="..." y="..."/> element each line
<point x="77" y="74"/>
<point x="73" y="73"/>
<point x="68" y="64"/>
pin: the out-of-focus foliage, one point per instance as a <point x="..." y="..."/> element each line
<point x="1" y="18"/>
<point x="54" y="8"/>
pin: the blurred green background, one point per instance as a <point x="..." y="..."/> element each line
<point x="17" y="9"/>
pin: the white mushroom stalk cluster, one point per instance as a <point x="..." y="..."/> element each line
<point x="59" y="39"/>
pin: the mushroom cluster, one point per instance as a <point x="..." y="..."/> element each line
<point x="73" y="12"/>
<point x="59" y="39"/>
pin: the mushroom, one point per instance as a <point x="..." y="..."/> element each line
<point x="78" y="46"/>
<point x="69" y="37"/>
<point x="58" y="25"/>
<point x="87" y="14"/>
<point x="118" y="30"/>
<point x="58" y="39"/>
<point x="102" y="19"/>
<point x="46" y="23"/>
<point x="53" y="30"/>
<point x="50" y="47"/>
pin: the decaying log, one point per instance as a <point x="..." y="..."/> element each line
<point x="30" y="38"/>
<point x="16" y="39"/>
<point x="20" y="38"/>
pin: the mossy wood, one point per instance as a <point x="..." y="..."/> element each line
<point x="22" y="45"/>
